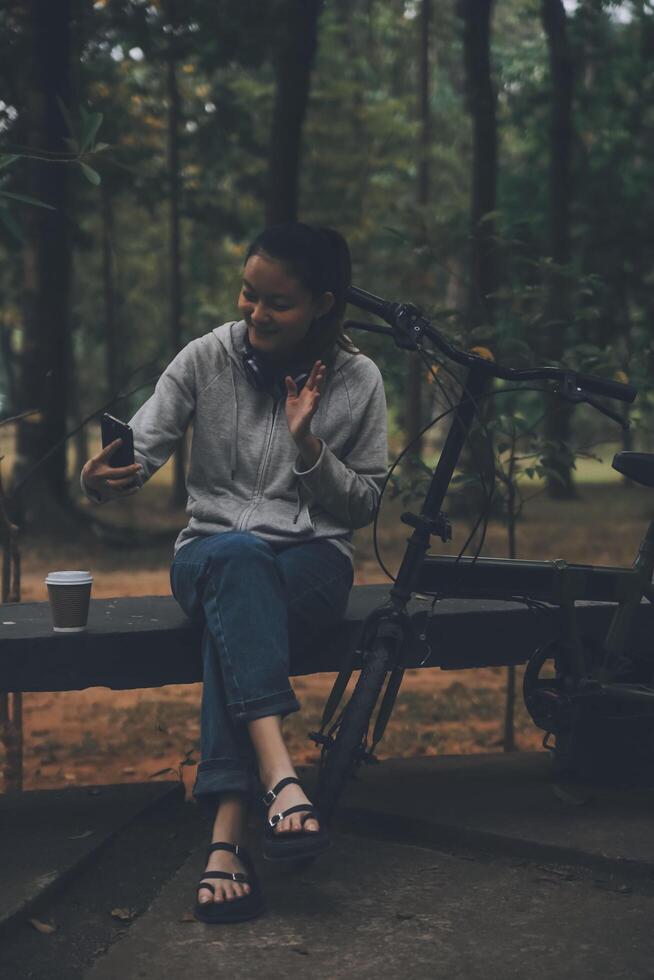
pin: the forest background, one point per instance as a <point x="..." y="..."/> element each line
<point x="489" y="161"/>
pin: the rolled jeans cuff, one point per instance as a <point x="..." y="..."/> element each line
<point x="282" y="703"/>
<point x="216" y="776"/>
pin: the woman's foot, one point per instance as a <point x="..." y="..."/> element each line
<point x="290" y="795"/>
<point x="230" y="826"/>
<point x="225" y="890"/>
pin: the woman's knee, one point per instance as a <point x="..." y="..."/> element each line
<point x="233" y="546"/>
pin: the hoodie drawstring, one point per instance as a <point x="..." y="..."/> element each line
<point x="232" y="454"/>
<point x="298" y="491"/>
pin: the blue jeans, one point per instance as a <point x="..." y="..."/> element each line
<point x="252" y="597"/>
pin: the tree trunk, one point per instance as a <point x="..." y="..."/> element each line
<point x="476" y="16"/>
<point x="294" y="60"/>
<point x="111" y="338"/>
<point x="179" y="496"/>
<point x="508" y="740"/>
<point x="558" y="304"/>
<point x="44" y="357"/>
<point x="11" y="705"/>
<point x="413" y="394"/>
<point x="81" y="442"/>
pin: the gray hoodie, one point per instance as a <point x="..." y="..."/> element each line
<point x="244" y="471"/>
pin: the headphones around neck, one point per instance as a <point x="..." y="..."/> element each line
<point x="263" y="375"/>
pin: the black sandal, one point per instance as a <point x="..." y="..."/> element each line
<point x="236" y="909"/>
<point x="292" y="844"/>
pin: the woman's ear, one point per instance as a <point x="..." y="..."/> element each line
<point x="324" y="305"/>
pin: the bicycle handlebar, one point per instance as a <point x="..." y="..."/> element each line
<point x="607" y="387"/>
<point x="409" y="324"/>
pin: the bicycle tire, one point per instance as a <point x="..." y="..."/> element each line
<point x="340" y="757"/>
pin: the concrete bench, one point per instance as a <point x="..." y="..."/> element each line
<point x="147" y="641"/>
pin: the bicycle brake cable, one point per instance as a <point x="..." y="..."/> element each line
<point x="485" y="513"/>
<point x="411" y="443"/>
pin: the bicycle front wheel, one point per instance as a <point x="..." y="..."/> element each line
<point x="341" y="756"/>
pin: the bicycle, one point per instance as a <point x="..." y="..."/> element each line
<point x="585" y="680"/>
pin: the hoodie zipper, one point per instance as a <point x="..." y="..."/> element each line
<point x="248" y="510"/>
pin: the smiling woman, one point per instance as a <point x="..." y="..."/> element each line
<point x="288" y="455"/>
<point x="277" y="308"/>
<point x="295" y="281"/>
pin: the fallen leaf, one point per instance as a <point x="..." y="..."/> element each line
<point x="187" y="917"/>
<point x="45" y="927"/>
<point x="299" y="949"/>
<point x="125" y="915"/>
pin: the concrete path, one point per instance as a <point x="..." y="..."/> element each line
<point x="379" y="910"/>
<point x="454" y="867"/>
<point x="510" y="804"/>
<point x="48" y="835"/>
<point x="513" y="877"/>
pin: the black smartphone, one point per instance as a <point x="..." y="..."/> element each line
<point x="115" y="429"/>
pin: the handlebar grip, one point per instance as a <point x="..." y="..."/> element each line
<point x="367" y="301"/>
<point x="606" y="387"/>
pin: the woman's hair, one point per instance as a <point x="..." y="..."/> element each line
<point x="319" y="258"/>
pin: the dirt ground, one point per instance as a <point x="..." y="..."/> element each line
<point x="102" y="736"/>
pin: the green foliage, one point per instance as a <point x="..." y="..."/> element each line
<point x="358" y="173"/>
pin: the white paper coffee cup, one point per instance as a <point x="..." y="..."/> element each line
<point x="69" y="593"/>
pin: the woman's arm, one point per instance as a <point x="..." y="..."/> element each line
<point x="349" y="488"/>
<point x="157" y="426"/>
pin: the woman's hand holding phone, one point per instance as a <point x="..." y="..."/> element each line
<point x="111" y="482"/>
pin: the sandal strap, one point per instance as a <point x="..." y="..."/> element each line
<point x="273" y="793"/>
<point x="228" y="875"/>
<point x="301" y="807"/>
<point x="225" y="846"/>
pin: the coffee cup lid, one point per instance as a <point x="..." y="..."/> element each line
<point x="68" y="578"/>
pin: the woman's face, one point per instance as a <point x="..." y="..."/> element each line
<point x="276" y="307"/>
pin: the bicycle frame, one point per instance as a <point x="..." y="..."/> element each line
<point x="387" y="628"/>
<point x="431" y="519"/>
<point x="557" y="582"/>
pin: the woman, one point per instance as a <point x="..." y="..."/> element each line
<point x="288" y="454"/>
